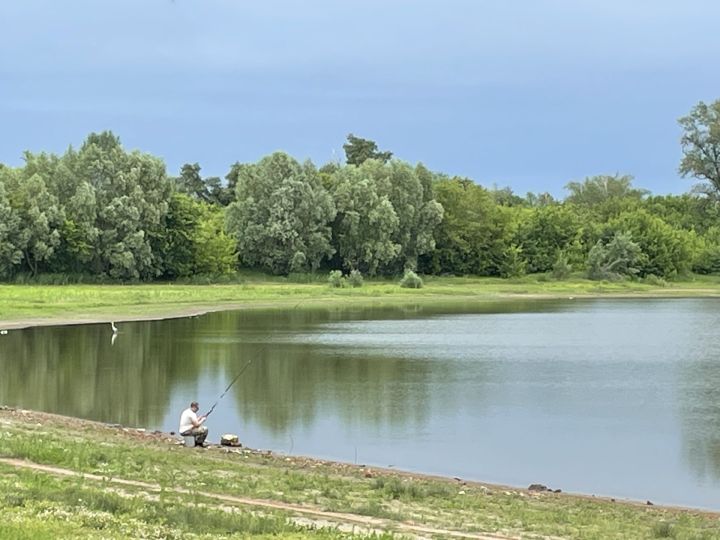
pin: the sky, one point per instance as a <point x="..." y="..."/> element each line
<point x="530" y="94"/>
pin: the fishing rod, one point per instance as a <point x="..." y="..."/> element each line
<point x="228" y="387"/>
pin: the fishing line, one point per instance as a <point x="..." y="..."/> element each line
<point x="228" y="387"/>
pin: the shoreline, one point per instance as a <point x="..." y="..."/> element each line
<point x="176" y="312"/>
<point x="173" y="440"/>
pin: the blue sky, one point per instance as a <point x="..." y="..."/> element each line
<point x="519" y="93"/>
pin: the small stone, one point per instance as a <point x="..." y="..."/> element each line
<point x="649" y="503"/>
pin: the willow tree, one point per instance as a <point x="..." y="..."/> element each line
<point x="39" y="215"/>
<point x="281" y="215"/>
<point x="366" y="222"/>
<point x="131" y="196"/>
<point x="414" y="204"/>
<point x="10" y="252"/>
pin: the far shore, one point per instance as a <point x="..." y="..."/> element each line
<point x="23" y="306"/>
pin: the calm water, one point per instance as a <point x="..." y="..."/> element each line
<point x="610" y="397"/>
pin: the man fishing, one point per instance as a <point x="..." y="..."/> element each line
<point x="191" y="424"/>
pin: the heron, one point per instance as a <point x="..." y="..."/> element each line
<point x="114" y="328"/>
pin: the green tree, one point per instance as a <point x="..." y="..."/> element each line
<point x="132" y="195"/>
<point x="596" y="190"/>
<point x="688" y="211"/>
<point x="417" y="211"/>
<point x="669" y="251"/>
<point x="214" y="248"/>
<point x="474" y="234"/>
<point x="191" y="183"/>
<point x="701" y="146"/>
<point x="513" y="263"/>
<point x="506" y="197"/>
<point x="209" y="189"/>
<point x="539" y="199"/>
<point x="366" y="222"/>
<point x="76" y="198"/>
<point x="706" y="258"/>
<point x="10" y="251"/>
<point x="359" y="150"/>
<point x="281" y="214"/>
<point x="79" y="231"/>
<point x="180" y="236"/>
<point x="196" y="240"/>
<point x="545" y="232"/>
<point x="617" y="259"/>
<point x="40" y="218"/>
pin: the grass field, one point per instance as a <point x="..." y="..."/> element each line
<point x="42" y="304"/>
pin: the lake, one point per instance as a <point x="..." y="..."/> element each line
<point x="616" y="397"/>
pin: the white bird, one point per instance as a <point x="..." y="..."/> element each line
<point x="115" y="330"/>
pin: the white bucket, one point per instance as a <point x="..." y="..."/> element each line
<point x="189" y="440"/>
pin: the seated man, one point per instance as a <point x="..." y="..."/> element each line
<point x="190" y="424"/>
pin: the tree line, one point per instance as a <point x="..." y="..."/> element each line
<point x="104" y="212"/>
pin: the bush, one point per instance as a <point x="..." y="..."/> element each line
<point x="513" y="263"/>
<point x="355" y="279"/>
<point x="652" y="279"/>
<point x="561" y="268"/>
<point x="411" y="280"/>
<point x="336" y="279"/>
<point x="618" y="259"/>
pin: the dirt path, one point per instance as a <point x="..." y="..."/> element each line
<point x="314" y="516"/>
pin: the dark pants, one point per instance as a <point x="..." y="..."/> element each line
<point x="200" y="434"/>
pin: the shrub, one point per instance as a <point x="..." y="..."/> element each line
<point x="336" y="279"/>
<point x="355" y="279"/>
<point x="652" y="279"/>
<point x="411" y="280"/>
<point x="618" y="259"/>
<point x="513" y="263"/>
<point x="561" y="269"/>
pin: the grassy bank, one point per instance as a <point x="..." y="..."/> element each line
<point x="43" y="304"/>
<point x="198" y="490"/>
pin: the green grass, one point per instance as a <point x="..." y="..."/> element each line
<point x="37" y="505"/>
<point x="38" y="501"/>
<point x="48" y="303"/>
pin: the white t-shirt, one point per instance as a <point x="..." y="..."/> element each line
<point x="186" y="420"/>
